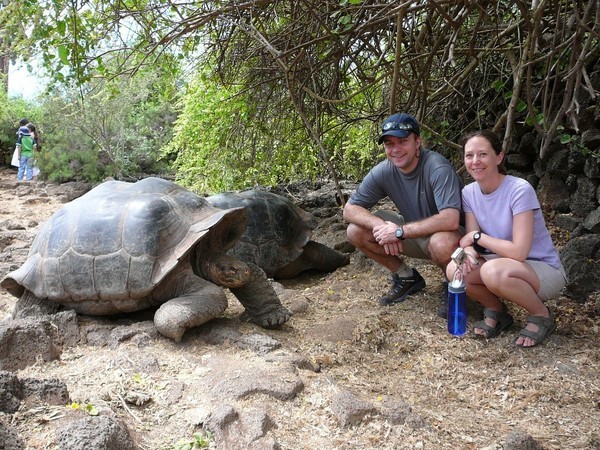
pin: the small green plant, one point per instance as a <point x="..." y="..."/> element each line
<point x="199" y="440"/>
<point x="592" y="153"/>
<point x="566" y="138"/>
<point x="86" y="407"/>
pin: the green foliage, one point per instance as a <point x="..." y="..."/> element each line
<point x="290" y="76"/>
<point x="61" y="166"/>
<point x="539" y="119"/>
<point x="566" y="138"/>
<point x="591" y="153"/>
<point x="354" y="150"/>
<point x="77" y="41"/>
<point x="198" y="441"/>
<point x="115" y="130"/>
<point x="55" y="166"/>
<point x="11" y="111"/>
<point x="222" y="141"/>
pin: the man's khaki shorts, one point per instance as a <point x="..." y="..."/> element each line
<point x="413" y="248"/>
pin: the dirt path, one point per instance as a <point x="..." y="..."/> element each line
<point x="464" y="393"/>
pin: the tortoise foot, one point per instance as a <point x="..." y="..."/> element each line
<point x="271" y="320"/>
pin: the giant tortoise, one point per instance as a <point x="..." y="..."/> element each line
<point x="278" y="235"/>
<point x="124" y="247"/>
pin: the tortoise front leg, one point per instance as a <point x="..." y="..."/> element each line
<point x="194" y="302"/>
<point x="261" y="301"/>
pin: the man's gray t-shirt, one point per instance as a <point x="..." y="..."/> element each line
<point x="427" y="190"/>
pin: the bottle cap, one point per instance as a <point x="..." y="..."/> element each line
<point x="456" y="283"/>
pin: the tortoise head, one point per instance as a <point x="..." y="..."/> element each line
<point x="224" y="270"/>
<point x="212" y="261"/>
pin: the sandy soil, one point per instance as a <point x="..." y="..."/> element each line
<point x="469" y="393"/>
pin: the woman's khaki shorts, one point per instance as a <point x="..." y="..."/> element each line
<point x="552" y="280"/>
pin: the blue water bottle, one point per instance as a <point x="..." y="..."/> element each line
<point x="457" y="307"/>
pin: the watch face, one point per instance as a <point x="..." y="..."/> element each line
<point x="476" y="236"/>
<point x="400" y="233"/>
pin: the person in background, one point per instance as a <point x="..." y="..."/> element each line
<point x="22" y="123"/>
<point x="511" y="254"/>
<point x="425" y="189"/>
<point x="36" y="141"/>
<point x="15" y="158"/>
<point x="26" y="153"/>
<point x="33" y="133"/>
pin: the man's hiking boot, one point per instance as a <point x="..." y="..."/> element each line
<point x="402" y="288"/>
<point x="443" y="307"/>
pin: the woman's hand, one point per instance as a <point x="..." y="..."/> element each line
<point x="471" y="261"/>
<point x="467" y="240"/>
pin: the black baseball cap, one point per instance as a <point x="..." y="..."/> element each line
<point x="399" y="125"/>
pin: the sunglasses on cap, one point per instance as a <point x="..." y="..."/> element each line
<point x="400" y="126"/>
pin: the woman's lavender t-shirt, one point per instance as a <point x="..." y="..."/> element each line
<point x="494" y="214"/>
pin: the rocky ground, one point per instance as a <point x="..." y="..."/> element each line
<point x="344" y="373"/>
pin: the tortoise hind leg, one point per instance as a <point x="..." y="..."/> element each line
<point x="199" y="302"/>
<point x="262" y="304"/>
<point x="315" y="256"/>
<point x="30" y="305"/>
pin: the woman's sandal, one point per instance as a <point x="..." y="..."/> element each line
<point x="503" y="321"/>
<point x="545" y="326"/>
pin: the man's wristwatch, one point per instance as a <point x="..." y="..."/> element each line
<point x="476" y="237"/>
<point x="400" y="233"/>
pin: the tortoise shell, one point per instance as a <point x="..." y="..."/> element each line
<point x="109" y="248"/>
<point x="277" y="230"/>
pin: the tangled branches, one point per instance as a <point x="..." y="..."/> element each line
<point x="338" y="62"/>
<point x="450" y="63"/>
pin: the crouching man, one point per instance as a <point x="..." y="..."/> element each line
<point x="426" y="191"/>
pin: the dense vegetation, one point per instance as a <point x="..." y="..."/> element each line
<point x="103" y="128"/>
<point x="229" y="94"/>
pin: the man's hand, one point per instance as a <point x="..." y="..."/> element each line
<point x="385" y="235"/>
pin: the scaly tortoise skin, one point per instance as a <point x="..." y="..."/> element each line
<point x="278" y="235"/>
<point x="124" y="247"/>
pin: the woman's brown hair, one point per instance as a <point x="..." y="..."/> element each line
<point x="492" y="138"/>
